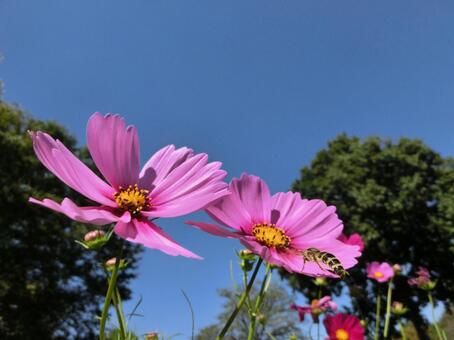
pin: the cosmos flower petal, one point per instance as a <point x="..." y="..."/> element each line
<point x="230" y="212"/>
<point x="161" y="164"/>
<point x="317" y="221"/>
<point x="213" y="229"/>
<point x="151" y="236"/>
<point x="188" y="188"/>
<point x="70" y="170"/>
<point x="254" y="194"/>
<point x="286" y="209"/>
<point x="92" y="215"/>
<point x="114" y="149"/>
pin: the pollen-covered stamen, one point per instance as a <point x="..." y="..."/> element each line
<point x="132" y="199"/>
<point x="271" y="236"/>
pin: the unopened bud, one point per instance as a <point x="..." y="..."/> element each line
<point x="110" y="264"/>
<point x="93" y="235"/>
<point x="397" y="269"/>
<point x="152" y="336"/>
<point x="363" y="323"/>
<point x="95" y="239"/>
<point x="320" y="281"/>
<point x="398" y="308"/>
<point x="247" y="255"/>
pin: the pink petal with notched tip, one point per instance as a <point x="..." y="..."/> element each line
<point x="161" y="164"/>
<point x="114" y="149"/>
<point x="151" y="236"/>
<point x="93" y="215"/>
<point x="70" y="170"/>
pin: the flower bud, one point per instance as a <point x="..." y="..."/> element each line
<point x="397" y="269"/>
<point x="398" y="308"/>
<point x="152" y="336"/>
<point x="95" y="239"/>
<point x="247" y="255"/>
<point x="320" y="281"/>
<point x="110" y="264"/>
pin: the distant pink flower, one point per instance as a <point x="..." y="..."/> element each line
<point x="279" y="228"/>
<point x="381" y="272"/>
<point x="172" y="183"/>
<point x="423" y="279"/>
<point x="343" y="327"/>
<point x="316" y="308"/>
<point x="353" y="239"/>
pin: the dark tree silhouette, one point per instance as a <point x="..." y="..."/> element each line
<point x="50" y="287"/>
<point x="400" y="198"/>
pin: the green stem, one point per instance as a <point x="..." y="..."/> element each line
<point x="402" y="332"/>
<point x="377" y="315"/>
<point x="433" y="316"/>
<point x="388" y="307"/>
<point x="258" y="303"/>
<point x="116" y="299"/>
<point x="318" y="330"/>
<point x="110" y="290"/>
<point x="240" y="301"/>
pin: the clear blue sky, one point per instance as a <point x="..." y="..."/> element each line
<point x="261" y="85"/>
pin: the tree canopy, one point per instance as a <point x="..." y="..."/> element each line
<point x="400" y="197"/>
<point x="50" y="287"/>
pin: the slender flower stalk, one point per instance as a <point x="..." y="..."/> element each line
<point x="388" y="307"/>
<point x="432" y="304"/>
<point x="110" y="292"/>
<point x="116" y="299"/>
<point x="240" y="301"/>
<point x="402" y="331"/>
<point x="377" y="315"/>
<point x="258" y="302"/>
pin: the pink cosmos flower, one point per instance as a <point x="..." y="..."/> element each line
<point x="279" y="228"/>
<point x="381" y="272"/>
<point x="422" y="280"/>
<point x="172" y="183"/>
<point x="353" y="239"/>
<point x="343" y="327"/>
<point x="316" y="308"/>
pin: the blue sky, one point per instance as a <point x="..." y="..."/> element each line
<point x="261" y="85"/>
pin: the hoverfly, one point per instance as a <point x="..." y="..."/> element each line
<point x="333" y="263"/>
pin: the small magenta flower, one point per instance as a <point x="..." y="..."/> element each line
<point x="281" y="227"/>
<point x="353" y="239"/>
<point x="172" y="183"/>
<point x="423" y="280"/>
<point x="316" y="308"/>
<point x="381" y="272"/>
<point x="343" y="327"/>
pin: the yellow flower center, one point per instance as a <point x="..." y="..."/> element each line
<point x="378" y="275"/>
<point x="270" y="236"/>
<point x="132" y="199"/>
<point x="341" y="334"/>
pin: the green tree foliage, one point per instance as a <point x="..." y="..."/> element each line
<point x="400" y="198"/>
<point x="275" y="317"/>
<point x="50" y="288"/>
